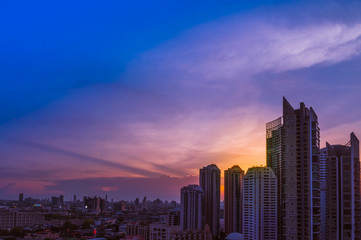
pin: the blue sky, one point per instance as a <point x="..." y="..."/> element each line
<point x="94" y="91"/>
<point x="51" y="47"/>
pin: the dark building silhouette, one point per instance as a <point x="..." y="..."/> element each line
<point x="293" y="155"/>
<point x="61" y="198"/>
<point x="21" y="197"/>
<point x="173" y="218"/>
<point x="210" y="182"/>
<point x="55" y="200"/>
<point x="95" y="204"/>
<point x="343" y="191"/>
<point x="233" y="199"/>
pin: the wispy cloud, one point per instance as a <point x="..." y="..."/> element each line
<point x="237" y="48"/>
<point x="85" y="158"/>
<point x="203" y="97"/>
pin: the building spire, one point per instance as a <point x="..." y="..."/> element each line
<point x="287" y="108"/>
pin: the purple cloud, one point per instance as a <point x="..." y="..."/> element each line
<point x="203" y="97"/>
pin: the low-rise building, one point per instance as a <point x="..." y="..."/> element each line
<point x="192" y="235"/>
<point x="10" y="219"/>
<point x="47" y="234"/>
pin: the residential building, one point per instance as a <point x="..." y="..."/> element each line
<point x="11" y="219"/>
<point x="260" y="204"/>
<point x="343" y="191"/>
<point x="192" y="235"/>
<point x="210" y="182"/>
<point x="293" y="155"/>
<point x="192" y="198"/>
<point x="233" y="199"/>
<point x="140" y="230"/>
<point x="323" y="191"/>
<point x="162" y="231"/>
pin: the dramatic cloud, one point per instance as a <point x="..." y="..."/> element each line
<point x="237" y="48"/>
<point x="203" y="97"/>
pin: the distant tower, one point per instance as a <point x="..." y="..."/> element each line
<point x="144" y="203"/>
<point x="233" y="202"/>
<point x="136" y="204"/>
<point x="210" y="181"/>
<point x="343" y="191"/>
<point x="74" y="199"/>
<point x="54" y="200"/>
<point x="191" y="208"/>
<point x="260" y="204"/>
<point x="61" y="199"/>
<point x="21" y="197"/>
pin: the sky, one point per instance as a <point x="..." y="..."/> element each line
<point x="132" y="98"/>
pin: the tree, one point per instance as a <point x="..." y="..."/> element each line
<point x="87" y="223"/>
<point x="17" y="232"/>
<point x="68" y="226"/>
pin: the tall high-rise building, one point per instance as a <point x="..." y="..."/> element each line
<point x="233" y="202"/>
<point x="260" y="204"/>
<point x="274" y="159"/>
<point x="210" y="182"/>
<point x="323" y="191"/>
<point x="343" y="191"/>
<point x="293" y="155"/>
<point x="192" y="208"/>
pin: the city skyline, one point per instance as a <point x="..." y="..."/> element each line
<point x="103" y="102"/>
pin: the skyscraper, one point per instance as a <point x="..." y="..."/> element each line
<point x="297" y="141"/>
<point x="343" y="190"/>
<point x="191" y="208"/>
<point x="260" y="204"/>
<point x="274" y="159"/>
<point x="233" y="202"/>
<point x="210" y="182"/>
<point x="323" y="191"/>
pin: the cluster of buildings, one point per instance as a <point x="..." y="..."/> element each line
<point x="304" y="192"/>
<point x="168" y="227"/>
<point x="93" y="216"/>
<point x="250" y="203"/>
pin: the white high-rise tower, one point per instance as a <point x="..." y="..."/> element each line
<point x="260" y="204"/>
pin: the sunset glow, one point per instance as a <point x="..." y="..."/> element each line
<point x="106" y="105"/>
